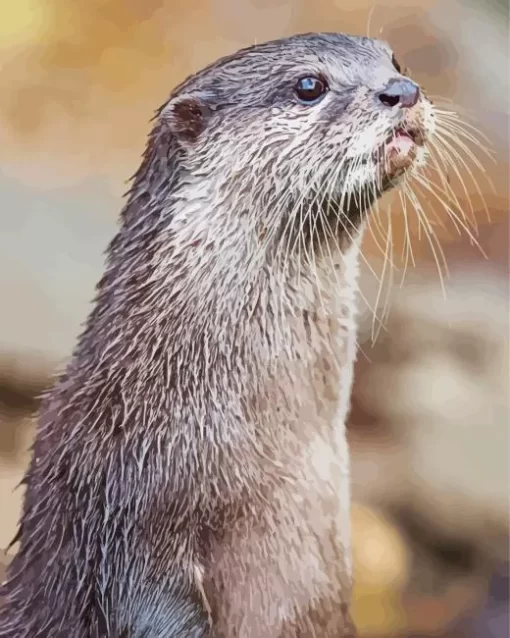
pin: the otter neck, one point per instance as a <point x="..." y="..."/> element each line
<point x="186" y="263"/>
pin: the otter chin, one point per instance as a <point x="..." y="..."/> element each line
<point x="190" y="472"/>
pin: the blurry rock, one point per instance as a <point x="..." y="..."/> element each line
<point x="439" y="379"/>
<point x="380" y="556"/>
<point x="51" y="256"/>
<point x="22" y="380"/>
<point x="494" y="619"/>
<point x="381" y="569"/>
<point x="12" y="469"/>
<point x="430" y="439"/>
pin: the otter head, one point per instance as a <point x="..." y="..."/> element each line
<point x="284" y="130"/>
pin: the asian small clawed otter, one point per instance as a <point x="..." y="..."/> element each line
<point x="190" y="471"/>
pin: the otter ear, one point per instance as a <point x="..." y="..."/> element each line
<point x="187" y="116"/>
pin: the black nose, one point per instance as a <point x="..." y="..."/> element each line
<point x="403" y="92"/>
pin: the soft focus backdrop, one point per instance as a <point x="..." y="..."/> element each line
<point x="79" y="81"/>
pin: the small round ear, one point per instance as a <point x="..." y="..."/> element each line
<point x="187" y="116"/>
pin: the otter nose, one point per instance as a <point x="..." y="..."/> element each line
<point x="403" y="92"/>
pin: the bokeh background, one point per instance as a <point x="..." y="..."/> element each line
<point x="429" y="429"/>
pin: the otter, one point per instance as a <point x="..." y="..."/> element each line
<point x="190" y="472"/>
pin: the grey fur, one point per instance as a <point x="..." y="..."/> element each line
<point x="191" y="461"/>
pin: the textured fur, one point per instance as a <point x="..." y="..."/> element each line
<point x="190" y="471"/>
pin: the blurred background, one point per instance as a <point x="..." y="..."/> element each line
<point x="429" y="429"/>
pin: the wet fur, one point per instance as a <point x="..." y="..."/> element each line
<point x="190" y="470"/>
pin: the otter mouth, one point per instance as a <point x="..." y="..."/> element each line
<point x="405" y="135"/>
<point x="398" y="153"/>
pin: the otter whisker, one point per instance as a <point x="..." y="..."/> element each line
<point x="444" y="152"/>
<point x="343" y="195"/>
<point x="387" y="259"/>
<point x="334" y="236"/>
<point x="387" y="251"/>
<point x="407" y="250"/>
<point x="369" y="19"/>
<point x="373" y="217"/>
<point x="347" y="194"/>
<point x="447" y="108"/>
<point x="450" y="212"/>
<point x="339" y="214"/>
<point x="313" y="214"/>
<point x="448" y="143"/>
<point x="301" y="238"/>
<point x="440" y="168"/>
<point x="459" y="133"/>
<point x="376" y="223"/>
<point x="455" y="138"/>
<point x="452" y="118"/>
<point x="438" y="252"/>
<point x="449" y="195"/>
<point x="433" y="216"/>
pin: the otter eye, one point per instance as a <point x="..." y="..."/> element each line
<point x="395" y="63"/>
<point x="311" y="89"/>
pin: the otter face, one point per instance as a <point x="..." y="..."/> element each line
<point x="319" y="118"/>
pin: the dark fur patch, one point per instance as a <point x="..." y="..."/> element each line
<point x="188" y="118"/>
